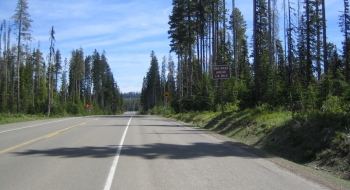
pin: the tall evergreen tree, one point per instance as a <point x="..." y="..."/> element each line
<point x="151" y="91"/>
<point x="171" y="76"/>
<point x="325" y="45"/>
<point x="96" y="76"/>
<point x="22" y="23"/>
<point x="57" y="67"/>
<point x="163" y="75"/>
<point x="88" y="79"/>
<point x="64" y="85"/>
<point x="50" y="69"/>
<point x="345" y="28"/>
<point x="261" y="70"/>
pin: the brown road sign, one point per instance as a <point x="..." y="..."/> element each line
<point x="166" y="95"/>
<point x="221" y="72"/>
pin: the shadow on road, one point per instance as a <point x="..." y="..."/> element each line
<point x="148" y="151"/>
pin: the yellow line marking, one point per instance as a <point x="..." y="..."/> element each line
<point x="45" y="136"/>
<point x="6" y="150"/>
<point x="51" y="135"/>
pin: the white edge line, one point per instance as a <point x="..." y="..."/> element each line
<point x="109" y="181"/>
<point x="33" y="126"/>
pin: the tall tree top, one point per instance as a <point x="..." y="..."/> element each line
<point x="22" y="19"/>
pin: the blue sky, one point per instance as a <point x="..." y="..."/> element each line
<point x="128" y="30"/>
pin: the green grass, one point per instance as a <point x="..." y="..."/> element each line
<point x="6" y="118"/>
<point x="15" y="118"/>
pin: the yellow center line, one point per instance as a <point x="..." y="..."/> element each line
<point x="51" y="135"/>
<point x="45" y="136"/>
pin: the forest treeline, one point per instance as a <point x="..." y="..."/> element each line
<point x="289" y="94"/>
<point x="132" y="101"/>
<point x="300" y="71"/>
<point x="33" y="83"/>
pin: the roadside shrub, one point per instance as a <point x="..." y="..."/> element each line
<point x="332" y="105"/>
<point x="309" y="154"/>
<point x="341" y="143"/>
<point x="324" y="154"/>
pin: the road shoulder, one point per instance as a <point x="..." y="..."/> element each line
<point x="300" y="170"/>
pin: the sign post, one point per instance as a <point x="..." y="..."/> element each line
<point x="221" y="72"/>
<point x="166" y="96"/>
<point x="88" y="108"/>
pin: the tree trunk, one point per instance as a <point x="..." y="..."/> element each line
<point x="290" y="47"/>
<point x="270" y="36"/>
<point x="256" y="59"/>
<point x="325" y="58"/>
<point x="234" y="39"/>
<point x="18" y="65"/>
<point x="346" y="42"/>
<point x="308" y="45"/>
<point x="318" y="43"/>
<point x="49" y="82"/>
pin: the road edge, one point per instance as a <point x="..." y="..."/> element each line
<point x="306" y="172"/>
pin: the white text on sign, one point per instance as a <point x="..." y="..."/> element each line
<point x="221" y="72"/>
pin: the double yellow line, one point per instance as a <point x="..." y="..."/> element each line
<point x="46" y="136"/>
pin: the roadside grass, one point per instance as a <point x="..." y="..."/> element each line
<point x="318" y="140"/>
<point x="15" y="118"/>
<point x="6" y="118"/>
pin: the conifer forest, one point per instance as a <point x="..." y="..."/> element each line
<point x="300" y="71"/>
<point x="34" y="83"/>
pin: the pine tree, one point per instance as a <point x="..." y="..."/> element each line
<point x="57" y="67"/>
<point x="325" y="45"/>
<point x="50" y="69"/>
<point x="308" y="43"/>
<point x="64" y="87"/>
<point x="3" y="69"/>
<point x="151" y="90"/>
<point x="261" y="70"/>
<point x="241" y="62"/>
<point x="22" y="24"/>
<point x="290" y="31"/>
<point x="345" y="28"/>
<point x="76" y="77"/>
<point x="88" y="79"/>
<point x="171" y="77"/>
<point x="40" y="90"/>
<point x="96" y="76"/>
<point x="163" y="75"/>
<point x="2" y="27"/>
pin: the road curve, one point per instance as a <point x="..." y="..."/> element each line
<point x="130" y="152"/>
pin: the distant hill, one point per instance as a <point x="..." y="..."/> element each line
<point x="131" y="95"/>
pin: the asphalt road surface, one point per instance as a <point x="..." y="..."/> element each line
<point x="130" y="152"/>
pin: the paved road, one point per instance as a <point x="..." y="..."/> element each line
<point x="130" y="152"/>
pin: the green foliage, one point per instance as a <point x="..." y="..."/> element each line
<point x="318" y="137"/>
<point x="132" y="104"/>
<point x="284" y="101"/>
<point x="156" y="110"/>
<point x="151" y="92"/>
<point x="345" y="97"/>
<point x="332" y="105"/>
<point x="341" y="143"/>
<point x="70" y="99"/>
<point x="6" y="118"/>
